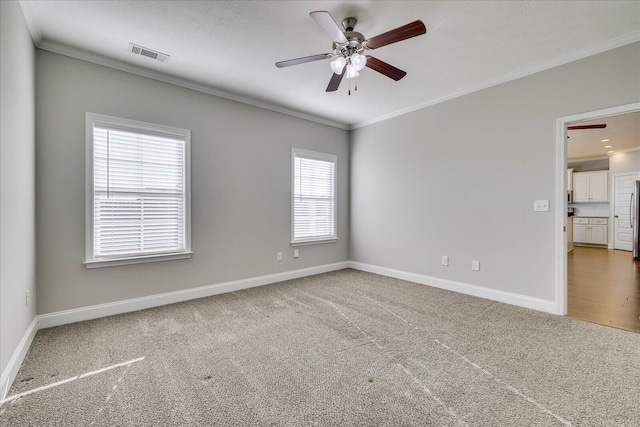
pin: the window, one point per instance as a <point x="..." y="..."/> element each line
<point x="138" y="192"/>
<point x="313" y="203"/>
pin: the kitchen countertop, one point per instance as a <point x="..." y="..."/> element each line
<point x="585" y="216"/>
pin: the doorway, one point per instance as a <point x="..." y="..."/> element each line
<point x="598" y="281"/>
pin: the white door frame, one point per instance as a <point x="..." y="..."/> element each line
<point x="561" y="192"/>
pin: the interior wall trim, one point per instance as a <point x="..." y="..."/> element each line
<point x="519" y="300"/>
<point x="10" y="372"/>
<point x="561" y="195"/>
<point x="93" y="58"/>
<point x="614" y="43"/>
<point x="125" y="306"/>
<point x="63" y="49"/>
<point x="102" y="310"/>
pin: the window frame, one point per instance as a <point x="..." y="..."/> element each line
<point x="93" y="119"/>
<point x="332" y="158"/>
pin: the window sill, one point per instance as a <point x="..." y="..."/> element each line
<point x="314" y="242"/>
<point x="137" y="260"/>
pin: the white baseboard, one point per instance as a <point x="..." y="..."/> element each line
<point x="10" y="372"/>
<point x="93" y="312"/>
<point x="135" y="304"/>
<point x="539" y="304"/>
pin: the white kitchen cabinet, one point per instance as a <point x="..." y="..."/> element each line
<point x="569" y="179"/>
<point x="598" y="234"/>
<point x="591" y="231"/>
<point x="598" y="186"/>
<point x="590" y="187"/>
<point x="580" y="233"/>
<point x="580" y="187"/>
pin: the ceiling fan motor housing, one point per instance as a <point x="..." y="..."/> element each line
<point x="354" y="44"/>
<point x="349" y="23"/>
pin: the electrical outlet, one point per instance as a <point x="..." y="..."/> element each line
<point x="445" y="260"/>
<point x="296" y="253"/>
<point x="279" y="256"/>
<point x="27" y="297"/>
<point x="475" y="265"/>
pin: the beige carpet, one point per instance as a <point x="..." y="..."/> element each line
<point x="343" y="348"/>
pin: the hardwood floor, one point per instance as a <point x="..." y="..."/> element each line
<point x="604" y="287"/>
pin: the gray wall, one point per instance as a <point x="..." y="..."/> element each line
<point x="17" y="179"/>
<point x="459" y="178"/>
<point x="240" y="159"/>
<point x="625" y="162"/>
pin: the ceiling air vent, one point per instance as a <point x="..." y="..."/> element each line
<point x="143" y="51"/>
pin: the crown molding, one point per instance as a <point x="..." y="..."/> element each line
<point x="603" y="157"/>
<point x="626" y="150"/>
<point x="36" y="35"/>
<point x="82" y="55"/>
<point x="616" y="42"/>
<point x="587" y="159"/>
<point x="32" y="23"/>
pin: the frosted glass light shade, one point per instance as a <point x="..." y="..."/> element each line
<point x="338" y="65"/>
<point x="358" y="61"/>
<point x="351" y="72"/>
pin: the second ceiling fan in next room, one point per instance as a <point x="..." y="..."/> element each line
<point x="585" y="127"/>
<point x="349" y="49"/>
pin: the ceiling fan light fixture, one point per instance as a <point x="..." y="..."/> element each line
<point x="338" y="65"/>
<point x="351" y="72"/>
<point x="358" y="61"/>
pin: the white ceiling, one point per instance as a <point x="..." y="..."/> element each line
<point x="622" y="131"/>
<point x="230" y="47"/>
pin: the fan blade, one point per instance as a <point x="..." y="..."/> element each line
<point x="327" y="23"/>
<point x="586" y="127"/>
<point x="384" y="68"/>
<point x="302" y="60"/>
<point x="334" y="83"/>
<point x="413" y="29"/>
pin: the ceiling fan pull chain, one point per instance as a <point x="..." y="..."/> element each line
<point x="349" y="87"/>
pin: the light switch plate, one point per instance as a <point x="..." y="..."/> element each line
<point x="541" y="206"/>
<point x="475" y="265"/>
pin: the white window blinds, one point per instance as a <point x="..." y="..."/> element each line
<point x="314" y="204"/>
<point x="139" y="193"/>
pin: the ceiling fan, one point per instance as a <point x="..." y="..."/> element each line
<point x="584" y="127"/>
<point x="348" y="48"/>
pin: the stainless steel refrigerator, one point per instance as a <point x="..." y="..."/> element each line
<point x="634" y="215"/>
